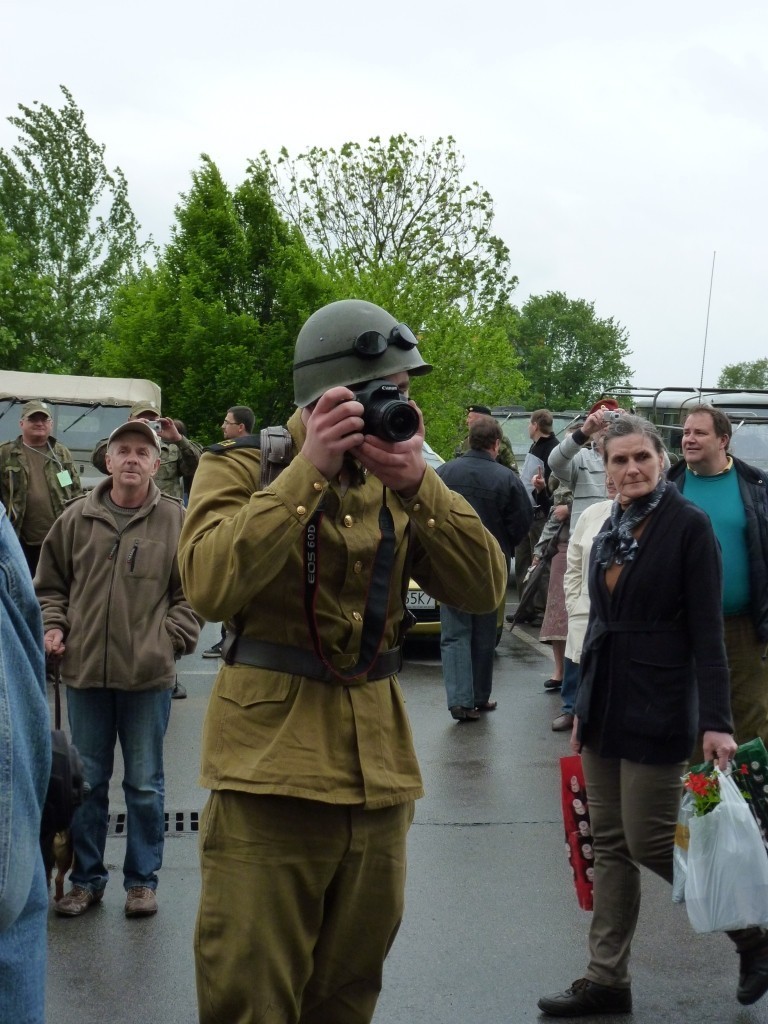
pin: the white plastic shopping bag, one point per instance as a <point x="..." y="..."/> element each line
<point x="726" y="885"/>
<point x="680" y="852"/>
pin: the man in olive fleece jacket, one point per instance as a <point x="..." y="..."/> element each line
<point x="113" y="608"/>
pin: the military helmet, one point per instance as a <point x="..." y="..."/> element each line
<point x="350" y="342"/>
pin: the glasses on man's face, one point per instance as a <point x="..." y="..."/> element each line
<point x="229" y="423"/>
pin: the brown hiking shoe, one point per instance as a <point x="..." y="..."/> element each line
<point x="140" y="901"/>
<point x="77" y="901"/>
<point x="462" y="714"/>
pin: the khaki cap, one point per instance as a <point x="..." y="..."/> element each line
<point x="136" y="427"/>
<point x="33" y="407"/>
<point x="139" y="407"/>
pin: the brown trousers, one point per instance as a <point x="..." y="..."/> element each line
<point x="300" y="904"/>
<point x="749" y="679"/>
<point x="633" y="812"/>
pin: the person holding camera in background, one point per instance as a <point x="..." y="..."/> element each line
<point x="307" y="747"/>
<point x="178" y="455"/>
<point x="577" y="461"/>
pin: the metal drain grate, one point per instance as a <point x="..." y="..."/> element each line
<point x="177" y="823"/>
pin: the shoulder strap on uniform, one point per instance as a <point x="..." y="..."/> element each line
<point x="276" y="446"/>
<point x="246" y="441"/>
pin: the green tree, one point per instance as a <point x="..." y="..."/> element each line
<point x="24" y="301"/>
<point x="401" y="205"/>
<point x="749" y="375"/>
<point x="215" y="321"/>
<point x="568" y="355"/>
<point x="76" y="238"/>
<point x="473" y="362"/>
<point x="394" y="223"/>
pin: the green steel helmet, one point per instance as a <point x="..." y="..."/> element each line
<point x="350" y="342"/>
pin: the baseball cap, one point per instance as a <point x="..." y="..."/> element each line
<point x="479" y="408"/>
<point x="32" y="407"/>
<point x="139" y="407"/>
<point x="609" y="404"/>
<point x="135" y="427"/>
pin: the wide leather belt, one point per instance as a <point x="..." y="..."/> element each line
<point x="295" y="661"/>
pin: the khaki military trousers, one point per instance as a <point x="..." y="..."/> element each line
<point x="749" y="679"/>
<point x="300" y="904"/>
<point x="633" y="813"/>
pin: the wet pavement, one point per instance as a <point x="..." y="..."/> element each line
<point x="491" y="919"/>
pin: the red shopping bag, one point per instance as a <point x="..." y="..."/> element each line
<point x="578" y="833"/>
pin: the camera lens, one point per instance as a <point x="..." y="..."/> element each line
<point x="399" y="422"/>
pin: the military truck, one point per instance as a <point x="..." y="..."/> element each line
<point x="84" y="409"/>
<point x="667" y="408"/>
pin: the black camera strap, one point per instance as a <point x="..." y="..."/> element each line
<point x="377" y="602"/>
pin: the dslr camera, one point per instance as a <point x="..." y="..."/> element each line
<point x="386" y="413"/>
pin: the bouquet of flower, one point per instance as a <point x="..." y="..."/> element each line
<point x="705" y="789"/>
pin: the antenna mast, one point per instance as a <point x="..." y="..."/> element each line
<point x="706" y="328"/>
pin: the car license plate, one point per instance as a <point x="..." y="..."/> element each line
<point x="417" y="599"/>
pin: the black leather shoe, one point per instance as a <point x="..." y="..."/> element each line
<point x="584" y="998"/>
<point x="753" y="974"/>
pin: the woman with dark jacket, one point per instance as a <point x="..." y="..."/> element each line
<point x="654" y="679"/>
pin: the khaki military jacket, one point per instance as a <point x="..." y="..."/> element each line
<point x="178" y="462"/>
<point x="241" y="556"/>
<point x="14" y="478"/>
<point x="117" y="597"/>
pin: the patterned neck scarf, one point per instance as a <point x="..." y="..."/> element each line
<point x="617" y="544"/>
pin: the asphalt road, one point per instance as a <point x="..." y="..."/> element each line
<point x="491" y="919"/>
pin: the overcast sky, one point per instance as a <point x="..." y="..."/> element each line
<point x="623" y="144"/>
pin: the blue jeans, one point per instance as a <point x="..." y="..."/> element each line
<point x="97" y="717"/>
<point x="25" y="768"/>
<point x="467" y="645"/>
<point x="569" y="686"/>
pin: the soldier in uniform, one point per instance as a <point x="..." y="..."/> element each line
<point x="506" y="456"/>
<point x="178" y="455"/>
<point x="37" y="476"/>
<point x="307" y="747"/>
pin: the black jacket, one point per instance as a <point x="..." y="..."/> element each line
<point x="754" y="495"/>
<point x="494" y="492"/>
<point x="654" y="670"/>
<point x="541" y="449"/>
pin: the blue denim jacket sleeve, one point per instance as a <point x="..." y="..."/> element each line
<point x="25" y="738"/>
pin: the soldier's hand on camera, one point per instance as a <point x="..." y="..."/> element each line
<point x="334" y="426"/>
<point x="400" y="465"/>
